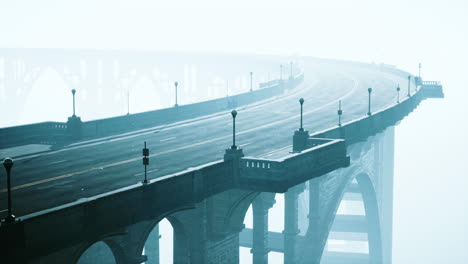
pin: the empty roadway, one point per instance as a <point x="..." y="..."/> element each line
<point x="89" y="168"/>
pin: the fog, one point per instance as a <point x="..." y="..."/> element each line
<point x="431" y="168"/>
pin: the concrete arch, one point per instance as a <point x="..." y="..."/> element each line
<point x="367" y="190"/>
<point x="313" y="246"/>
<point x="371" y="208"/>
<point x="103" y="244"/>
<point x="181" y="241"/>
<point x="238" y="210"/>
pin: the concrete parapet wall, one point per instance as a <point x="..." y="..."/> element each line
<point x="56" y="132"/>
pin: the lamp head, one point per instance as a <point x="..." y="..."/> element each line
<point x="234" y="113"/>
<point x="8" y="163"/>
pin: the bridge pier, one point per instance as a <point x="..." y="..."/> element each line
<point x="260" y="208"/>
<point x="314" y="218"/>
<point x="291" y="229"/>
<point x="209" y="233"/>
<point x="152" y="246"/>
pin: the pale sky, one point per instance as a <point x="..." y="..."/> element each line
<point x="394" y="32"/>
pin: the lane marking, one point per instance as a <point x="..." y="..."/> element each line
<point x="3" y="210"/>
<point x="246" y="144"/>
<point x="60" y="161"/>
<point x="273" y="152"/>
<point x="267" y="125"/>
<point x="179" y="124"/>
<point x="148" y="172"/>
<point x="167" y="139"/>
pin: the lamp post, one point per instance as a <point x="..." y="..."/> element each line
<point x="176" y="84"/>
<point x="419" y="75"/>
<point x="340" y="113"/>
<point x="281" y="72"/>
<point x="73" y="93"/>
<point x="251" y="88"/>
<point x="128" y="101"/>
<point x="291" y="66"/>
<point x="301" y="101"/>
<point x="8" y="163"/>
<point x="409" y="82"/>
<point x="227" y="88"/>
<point x="145" y="162"/>
<point x="398" y="94"/>
<point x="234" y="114"/>
<point x="369" y="112"/>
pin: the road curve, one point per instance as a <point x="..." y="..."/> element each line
<point x="78" y="171"/>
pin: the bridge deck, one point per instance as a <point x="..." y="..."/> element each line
<point x="79" y="171"/>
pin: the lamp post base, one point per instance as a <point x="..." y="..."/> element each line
<point x="233" y="153"/>
<point x="300" y="140"/>
<point x="9" y="219"/>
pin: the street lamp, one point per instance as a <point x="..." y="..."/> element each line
<point x="128" y="101"/>
<point x="370" y="91"/>
<point x="8" y="163"/>
<point x="227" y="88"/>
<point x="340" y="113"/>
<point x="281" y="72"/>
<point x="409" y="82"/>
<point x="251" y="88"/>
<point x="398" y="93"/>
<point x="419" y="70"/>
<point x="291" y="66"/>
<point x="176" y="84"/>
<point x="73" y="93"/>
<point x="301" y="101"/>
<point x="234" y="114"/>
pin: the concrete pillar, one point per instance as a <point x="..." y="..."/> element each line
<point x="152" y="246"/>
<point x="224" y="250"/>
<point x="291" y="229"/>
<point x="386" y="195"/>
<point x="372" y="217"/>
<point x="260" y="231"/>
<point x="314" y="218"/>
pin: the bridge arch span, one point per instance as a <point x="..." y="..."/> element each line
<point x="101" y="251"/>
<point x="371" y="225"/>
<point x="371" y="209"/>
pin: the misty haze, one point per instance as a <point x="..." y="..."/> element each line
<point x="233" y="132"/>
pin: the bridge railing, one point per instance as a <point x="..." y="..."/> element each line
<point x="55" y="132"/>
<point x="323" y="150"/>
<point x="40" y="133"/>
<point x="430" y="83"/>
<point x="259" y="164"/>
<point x="365" y="126"/>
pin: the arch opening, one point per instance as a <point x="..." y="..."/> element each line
<point x="274" y="222"/>
<point x="159" y="244"/>
<point x="355" y="232"/>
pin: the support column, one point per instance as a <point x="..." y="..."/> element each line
<point x="152" y="246"/>
<point x="386" y="195"/>
<point x="260" y="207"/>
<point x="314" y="218"/>
<point x="291" y="229"/>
